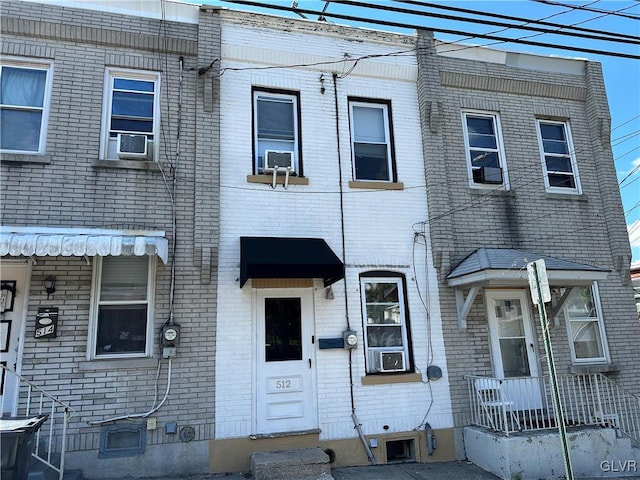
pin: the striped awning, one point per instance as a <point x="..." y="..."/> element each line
<point x="80" y="242"/>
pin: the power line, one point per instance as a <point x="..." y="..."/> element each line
<point x="441" y="30"/>
<point x="524" y="26"/>
<point x="512" y="18"/>
<point x="590" y="9"/>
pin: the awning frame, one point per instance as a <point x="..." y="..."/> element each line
<point x="288" y="257"/>
<point x="81" y="242"/>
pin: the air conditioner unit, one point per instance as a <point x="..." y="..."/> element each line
<point x="491" y="175"/>
<point x="390" y="361"/>
<point x="131" y="146"/>
<point x="278" y="160"/>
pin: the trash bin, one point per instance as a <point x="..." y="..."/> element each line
<point x="16" y="445"/>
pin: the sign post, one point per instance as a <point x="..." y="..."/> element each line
<point x="541" y="293"/>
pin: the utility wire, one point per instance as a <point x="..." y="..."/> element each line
<point x="512" y="18"/>
<point x="525" y="26"/>
<point x="441" y="30"/>
<point x="590" y="9"/>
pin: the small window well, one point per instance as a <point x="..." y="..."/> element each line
<point x="400" y="451"/>
<point x="122" y="440"/>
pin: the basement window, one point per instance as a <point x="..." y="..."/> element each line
<point x="400" y="451"/>
<point x="122" y="440"/>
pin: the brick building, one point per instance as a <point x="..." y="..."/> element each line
<point x="275" y="189"/>
<point x="113" y="223"/>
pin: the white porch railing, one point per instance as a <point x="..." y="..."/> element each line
<point x="52" y="436"/>
<point x="520" y="404"/>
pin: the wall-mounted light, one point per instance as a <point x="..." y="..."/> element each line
<point x="328" y="293"/>
<point x="50" y="285"/>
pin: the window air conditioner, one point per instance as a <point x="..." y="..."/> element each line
<point x="492" y="175"/>
<point x="278" y="160"/>
<point x="391" y="361"/>
<point x="132" y="146"/>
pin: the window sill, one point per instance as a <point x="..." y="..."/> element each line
<point x="127" y="164"/>
<point x="117" y="364"/>
<point x="578" y="197"/>
<point x="376" y="185"/>
<point x="484" y="190"/>
<point x="25" y="158"/>
<point x="268" y="180"/>
<point x="395" y="378"/>
<point x="594" y="368"/>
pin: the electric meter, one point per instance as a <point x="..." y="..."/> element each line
<point x="170" y="335"/>
<point x="350" y="339"/>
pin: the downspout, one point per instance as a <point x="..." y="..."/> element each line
<point x="356" y="424"/>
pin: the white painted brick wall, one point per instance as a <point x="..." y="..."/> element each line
<point x="378" y="226"/>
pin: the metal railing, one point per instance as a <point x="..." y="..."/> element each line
<point x="52" y="436"/>
<point x="520" y="404"/>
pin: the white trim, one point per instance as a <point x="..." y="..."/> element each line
<point x="606" y="358"/>
<point x="35" y="64"/>
<point x="399" y="281"/>
<point x="110" y="74"/>
<point x="572" y="157"/>
<point x="509" y="277"/>
<point x="94" y="308"/>
<point x="502" y="163"/>
<point x="387" y="132"/>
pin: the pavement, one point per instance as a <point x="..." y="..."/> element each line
<point x="460" y="470"/>
<point x="403" y="471"/>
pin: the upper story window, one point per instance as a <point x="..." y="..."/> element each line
<point x="485" y="152"/>
<point x="385" y="324"/>
<point x="131" y="115"/>
<point x="276" y="130"/>
<point x="122" y="307"/>
<point x="24" y="106"/>
<point x="558" y="159"/>
<point x="371" y="141"/>
<point x="585" y="325"/>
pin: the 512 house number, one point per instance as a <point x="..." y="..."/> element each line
<point x="283" y="384"/>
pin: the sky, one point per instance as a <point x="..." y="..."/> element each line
<point x="621" y="75"/>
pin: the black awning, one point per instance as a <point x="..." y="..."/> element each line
<point x="278" y="257"/>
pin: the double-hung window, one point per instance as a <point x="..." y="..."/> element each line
<point x="585" y="325"/>
<point x="371" y="141"/>
<point x="558" y="158"/>
<point x="131" y="118"/>
<point x="276" y="130"/>
<point x="485" y="151"/>
<point x="122" y="307"/>
<point x="385" y="324"/>
<point x="25" y="89"/>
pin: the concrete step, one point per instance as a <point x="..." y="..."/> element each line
<point x="298" y="464"/>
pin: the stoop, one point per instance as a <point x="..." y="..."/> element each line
<point x="298" y="464"/>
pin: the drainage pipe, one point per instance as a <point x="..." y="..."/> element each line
<point x="358" y="428"/>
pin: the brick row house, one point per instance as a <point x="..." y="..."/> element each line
<point x="269" y="233"/>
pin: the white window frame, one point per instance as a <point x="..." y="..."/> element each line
<point x="384" y="107"/>
<point x="285" y="98"/>
<point x="372" y="351"/>
<point x="577" y="190"/>
<point x="502" y="162"/>
<point x="605" y="358"/>
<point x="107" y="143"/>
<point x="94" y="310"/>
<point x="44" y="122"/>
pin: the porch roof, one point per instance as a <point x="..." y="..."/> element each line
<point x="81" y="242"/>
<point x="281" y="257"/>
<point x="507" y="266"/>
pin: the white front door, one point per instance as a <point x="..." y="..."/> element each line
<point x="513" y="347"/>
<point x="285" y="398"/>
<point x="13" y="297"/>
